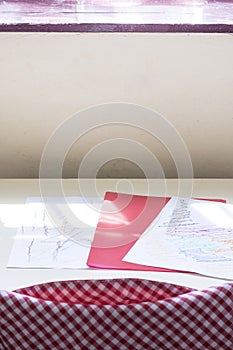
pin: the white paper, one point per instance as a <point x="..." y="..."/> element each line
<point x="191" y="235"/>
<point x="55" y="233"/>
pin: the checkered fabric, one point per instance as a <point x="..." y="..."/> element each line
<point x="121" y="314"/>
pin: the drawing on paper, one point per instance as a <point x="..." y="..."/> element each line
<point x="41" y="244"/>
<point x="192" y="235"/>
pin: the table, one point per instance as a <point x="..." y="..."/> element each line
<point x="105" y="16"/>
<point x="13" y="193"/>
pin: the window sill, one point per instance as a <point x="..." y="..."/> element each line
<point x="67" y="16"/>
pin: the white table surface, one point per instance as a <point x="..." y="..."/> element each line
<point x="14" y="192"/>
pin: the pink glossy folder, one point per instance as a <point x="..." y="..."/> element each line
<point x="122" y="220"/>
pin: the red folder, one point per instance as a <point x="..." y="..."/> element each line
<point x="123" y="219"/>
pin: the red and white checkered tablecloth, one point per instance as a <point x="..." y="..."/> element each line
<point x="116" y="314"/>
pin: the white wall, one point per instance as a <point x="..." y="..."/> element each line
<point x="46" y="78"/>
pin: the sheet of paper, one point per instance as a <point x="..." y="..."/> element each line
<point x="55" y="233"/>
<point x="191" y="235"/>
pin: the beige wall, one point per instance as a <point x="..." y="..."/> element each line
<point x="46" y="78"/>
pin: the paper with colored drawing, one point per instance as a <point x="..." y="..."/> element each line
<point x="55" y="232"/>
<point x="190" y="235"/>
